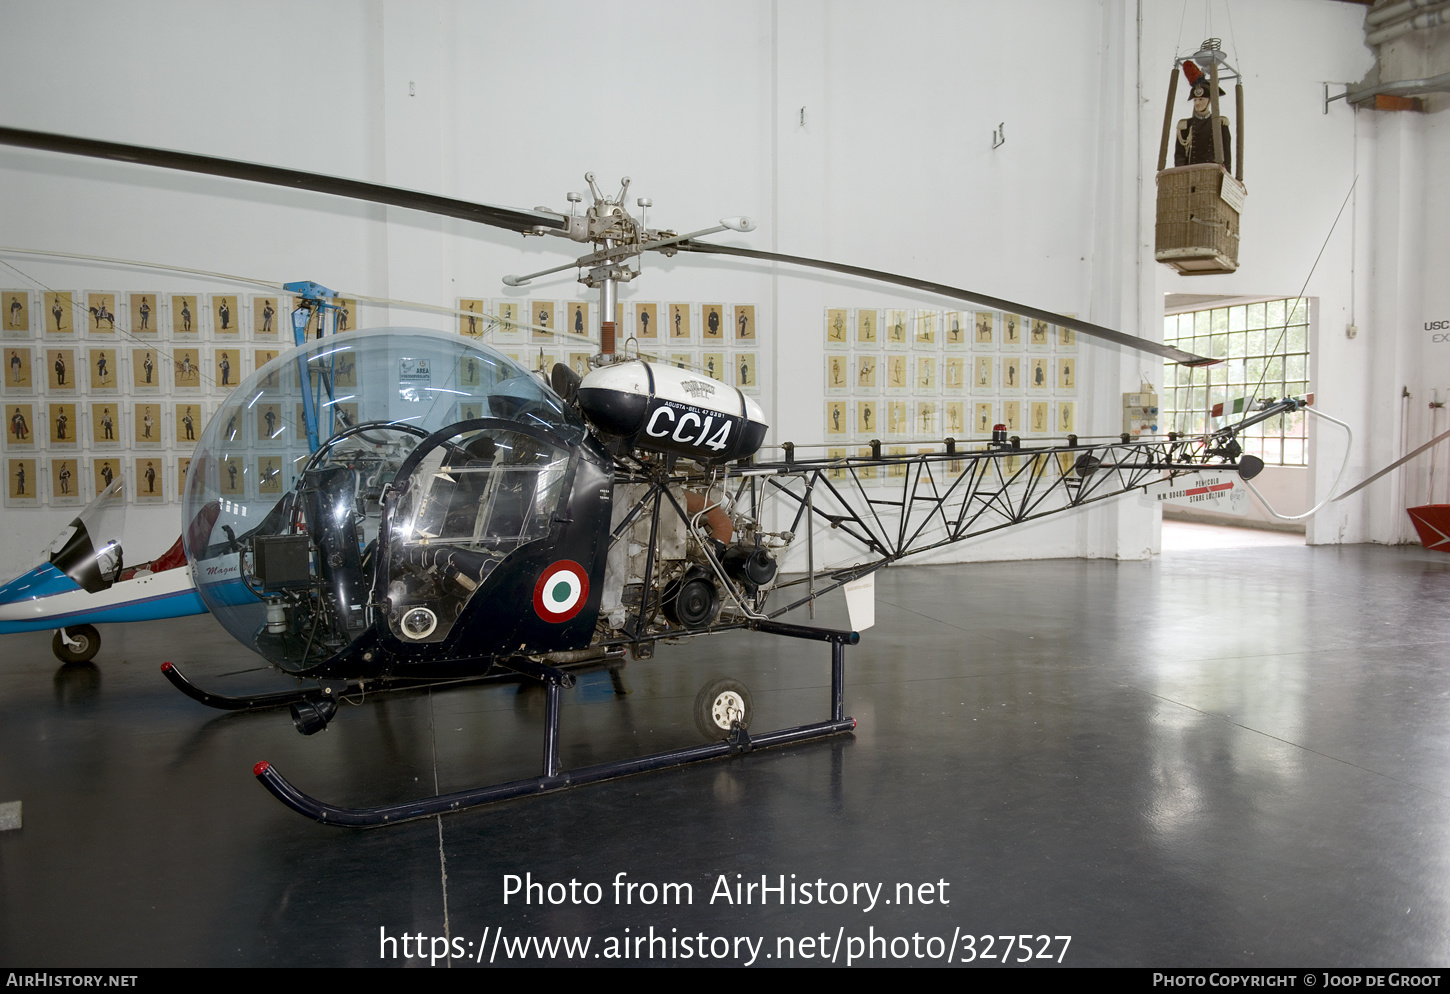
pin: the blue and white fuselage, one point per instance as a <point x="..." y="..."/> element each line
<point x="45" y="598"/>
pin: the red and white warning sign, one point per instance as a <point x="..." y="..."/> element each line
<point x="1223" y="492"/>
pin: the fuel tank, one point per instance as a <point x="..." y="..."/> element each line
<point x="667" y="409"/>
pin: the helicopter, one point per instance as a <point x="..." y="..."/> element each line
<point x="505" y="524"/>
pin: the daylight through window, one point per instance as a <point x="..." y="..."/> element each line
<point x="1265" y="348"/>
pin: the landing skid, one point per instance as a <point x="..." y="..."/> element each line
<point x="337" y="689"/>
<point x="553" y="778"/>
<point x="254" y="702"/>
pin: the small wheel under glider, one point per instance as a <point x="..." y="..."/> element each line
<point x="84" y="643"/>
<point x="721" y="703"/>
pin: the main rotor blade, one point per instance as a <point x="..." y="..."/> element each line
<point x="510" y="218"/>
<point x="996" y="303"/>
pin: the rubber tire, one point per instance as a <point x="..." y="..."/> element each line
<point x="78" y="633"/>
<point x="714" y="699"/>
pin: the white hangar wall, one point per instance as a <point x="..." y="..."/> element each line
<point x="1376" y="271"/>
<point x="1403" y="303"/>
<point x="850" y="131"/>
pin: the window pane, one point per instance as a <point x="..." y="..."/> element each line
<point x="1265" y="351"/>
<point x="1274" y="339"/>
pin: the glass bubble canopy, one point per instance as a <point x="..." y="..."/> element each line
<point x="361" y="402"/>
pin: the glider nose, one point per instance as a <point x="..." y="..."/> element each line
<point x="19" y="597"/>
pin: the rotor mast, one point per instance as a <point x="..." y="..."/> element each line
<point x="615" y="226"/>
<point x="618" y="236"/>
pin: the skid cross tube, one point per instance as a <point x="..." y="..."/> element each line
<point x="553" y="778"/>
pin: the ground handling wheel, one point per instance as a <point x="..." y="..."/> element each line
<point x="719" y="705"/>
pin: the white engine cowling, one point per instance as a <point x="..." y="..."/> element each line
<point x="668" y="409"/>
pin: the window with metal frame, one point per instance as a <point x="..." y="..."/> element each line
<point x="1264" y="346"/>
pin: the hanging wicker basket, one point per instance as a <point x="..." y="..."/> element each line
<point x="1198" y="219"/>
<point x="1199" y="205"/>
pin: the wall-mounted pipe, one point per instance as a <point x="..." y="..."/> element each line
<point x="1429" y="19"/>
<point x="1395" y="11"/>
<point x="1398" y="88"/>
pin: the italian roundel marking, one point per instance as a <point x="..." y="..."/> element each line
<point x="561" y="591"/>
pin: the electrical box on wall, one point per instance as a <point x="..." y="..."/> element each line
<point x="1140" y="411"/>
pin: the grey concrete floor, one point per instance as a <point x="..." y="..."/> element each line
<point x="1219" y="757"/>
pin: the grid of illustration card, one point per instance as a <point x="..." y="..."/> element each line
<point x="911" y="378"/>
<point x="105" y="383"/>
<point x="719" y="340"/>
